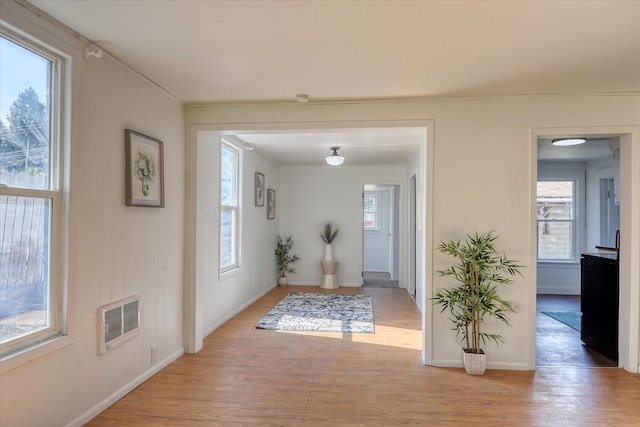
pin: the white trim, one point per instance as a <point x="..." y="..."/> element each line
<point x="576" y="216"/>
<point x="124" y="390"/>
<point x="53" y="337"/>
<point x="237" y="311"/>
<point x="424" y="215"/>
<point x="236" y="208"/>
<point x="457" y="363"/>
<point x="629" y="250"/>
<point x="28" y="354"/>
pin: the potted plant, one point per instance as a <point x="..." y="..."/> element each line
<point x="478" y="271"/>
<point x="285" y="259"/>
<point x="328" y="233"/>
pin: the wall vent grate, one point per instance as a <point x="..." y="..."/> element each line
<point x="118" y="322"/>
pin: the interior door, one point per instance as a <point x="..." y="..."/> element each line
<point x="377" y="212"/>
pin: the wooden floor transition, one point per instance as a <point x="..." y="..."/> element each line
<point x="246" y="376"/>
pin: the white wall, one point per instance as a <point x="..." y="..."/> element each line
<point x="312" y="195"/>
<point x="115" y="251"/>
<point x="596" y="170"/>
<point x="396" y="203"/>
<point x="221" y="297"/>
<point x="417" y="168"/>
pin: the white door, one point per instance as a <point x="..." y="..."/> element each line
<point x="378" y="229"/>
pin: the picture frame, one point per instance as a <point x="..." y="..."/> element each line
<point x="144" y="170"/>
<point x="271" y="204"/>
<point x="259" y="189"/>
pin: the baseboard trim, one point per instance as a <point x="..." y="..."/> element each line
<point x="123" y="391"/>
<point x="237" y="311"/>
<point x="500" y="366"/>
<point x="555" y="290"/>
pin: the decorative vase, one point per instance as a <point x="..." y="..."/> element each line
<point x="328" y="252"/>
<point x="474" y="363"/>
<point x="283" y="281"/>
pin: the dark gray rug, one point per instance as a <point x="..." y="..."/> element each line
<point x="302" y="311"/>
<point x="376" y="279"/>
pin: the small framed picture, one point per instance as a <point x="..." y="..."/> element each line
<point x="271" y="204"/>
<point x="144" y="170"/>
<point x="259" y="189"/>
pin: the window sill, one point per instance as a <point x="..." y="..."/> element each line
<point x="229" y="273"/>
<point x="35" y="351"/>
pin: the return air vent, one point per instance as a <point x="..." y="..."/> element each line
<point x="118" y="322"/>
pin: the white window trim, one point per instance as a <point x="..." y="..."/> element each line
<point x="577" y="176"/>
<point x="230" y="270"/>
<point x="55" y="336"/>
<point x="376" y="213"/>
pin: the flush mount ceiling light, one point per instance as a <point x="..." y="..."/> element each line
<point x="334" y="159"/>
<point x="562" y="142"/>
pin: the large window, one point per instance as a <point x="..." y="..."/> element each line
<point x="31" y="292"/>
<point x="229" y="207"/>
<point x="556" y="220"/>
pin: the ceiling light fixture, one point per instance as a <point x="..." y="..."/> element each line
<point x="334" y="159"/>
<point x="562" y="142"/>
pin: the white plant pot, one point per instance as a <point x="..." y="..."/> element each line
<point x="328" y="252"/>
<point x="474" y="364"/>
<point x="283" y="281"/>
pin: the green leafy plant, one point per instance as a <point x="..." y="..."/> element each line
<point x="285" y="259"/>
<point x="328" y="233"/>
<point x="478" y="270"/>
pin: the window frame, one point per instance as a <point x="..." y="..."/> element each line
<point x="376" y="225"/>
<point x="225" y="270"/>
<point x="43" y="341"/>
<point x="573" y="221"/>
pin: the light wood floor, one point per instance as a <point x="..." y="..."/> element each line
<point x="245" y="376"/>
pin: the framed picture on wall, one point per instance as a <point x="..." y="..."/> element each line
<point x="144" y="170"/>
<point x="271" y="204"/>
<point x="259" y="189"/>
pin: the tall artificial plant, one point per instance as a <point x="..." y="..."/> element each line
<point x="479" y="268"/>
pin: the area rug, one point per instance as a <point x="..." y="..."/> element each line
<point x="302" y="311"/>
<point x="570" y="318"/>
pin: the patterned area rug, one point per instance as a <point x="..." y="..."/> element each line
<point x="301" y="311"/>
<point x="572" y="319"/>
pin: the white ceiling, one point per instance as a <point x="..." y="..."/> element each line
<point x="594" y="148"/>
<point x="237" y="51"/>
<point x="382" y="146"/>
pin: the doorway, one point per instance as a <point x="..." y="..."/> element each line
<point x="591" y="241"/>
<point x="381" y="235"/>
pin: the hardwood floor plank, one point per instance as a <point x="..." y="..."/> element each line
<point x="246" y="376"/>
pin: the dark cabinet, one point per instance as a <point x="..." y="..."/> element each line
<point x="599" y="302"/>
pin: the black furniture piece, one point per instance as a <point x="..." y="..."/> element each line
<point x="599" y="303"/>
